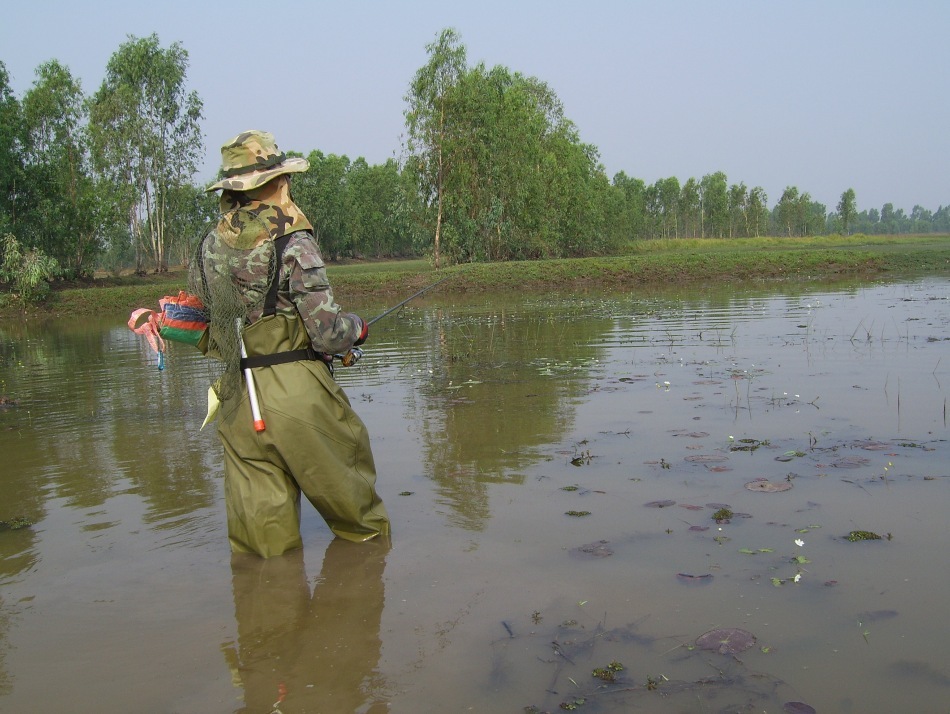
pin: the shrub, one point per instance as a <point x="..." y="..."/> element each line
<point x="27" y="273"/>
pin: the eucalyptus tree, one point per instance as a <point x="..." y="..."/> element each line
<point x="371" y="194"/>
<point x="524" y="185"/>
<point x="812" y="215"/>
<point x="321" y="193"/>
<point x="715" y="203"/>
<point x="146" y="138"/>
<point x="429" y="125"/>
<point x="847" y="209"/>
<point x="757" y="211"/>
<point x="65" y="212"/>
<point x="690" y="208"/>
<point x="787" y="211"/>
<point x="738" y="210"/>
<point x="11" y="145"/>
<point x="668" y="203"/>
<point x="501" y="170"/>
<point x="629" y="215"/>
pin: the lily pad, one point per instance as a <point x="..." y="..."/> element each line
<point x="768" y="486"/>
<point x="730" y="640"/>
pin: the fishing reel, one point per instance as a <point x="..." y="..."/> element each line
<point x="351" y="357"/>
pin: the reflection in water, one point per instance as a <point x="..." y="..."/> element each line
<point x="490" y="406"/>
<point x="303" y="652"/>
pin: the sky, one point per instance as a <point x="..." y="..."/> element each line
<point x="823" y="95"/>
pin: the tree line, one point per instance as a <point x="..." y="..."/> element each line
<point x="491" y="169"/>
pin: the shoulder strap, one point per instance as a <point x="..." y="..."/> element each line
<point x="270" y="300"/>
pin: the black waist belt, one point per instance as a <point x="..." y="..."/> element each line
<point x="281" y="358"/>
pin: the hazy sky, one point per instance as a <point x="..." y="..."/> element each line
<point x="823" y="95"/>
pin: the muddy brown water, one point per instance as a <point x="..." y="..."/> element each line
<point x="492" y="419"/>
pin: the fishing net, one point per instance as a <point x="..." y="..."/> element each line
<point x="233" y="269"/>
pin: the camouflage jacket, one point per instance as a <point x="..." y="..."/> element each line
<point x="304" y="289"/>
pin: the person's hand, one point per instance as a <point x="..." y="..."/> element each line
<point x="364" y="333"/>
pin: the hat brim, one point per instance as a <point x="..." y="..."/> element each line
<point x="248" y="181"/>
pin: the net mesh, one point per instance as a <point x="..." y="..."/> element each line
<point x="233" y="269"/>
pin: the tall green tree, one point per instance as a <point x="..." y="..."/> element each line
<point x="65" y="215"/>
<point x="690" y="208"/>
<point x="787" y="210"/>
<point x="629" y="216"/>
<point x="738" y="210"/>
<point x="321" y="193"/>
<point x="847" y="209"/>
<point x="714" y="194"/>
<point x="501" y="169"/>
<point x="146" y="138"/>
<point x="757" y="211"/>
<point x="11" y="152"/>
<point x="668" y="204"/>
<point x="429" y="124"/>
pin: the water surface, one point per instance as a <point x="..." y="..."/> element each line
<point x="492" y="418"/>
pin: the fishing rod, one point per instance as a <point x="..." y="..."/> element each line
<point x="353" y="356"/>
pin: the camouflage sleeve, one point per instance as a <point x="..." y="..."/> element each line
<point x="331" y="330"/>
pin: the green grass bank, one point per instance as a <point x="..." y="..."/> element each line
<point x="683" y="261"/>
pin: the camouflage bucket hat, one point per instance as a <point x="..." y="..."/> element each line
<point x="251" y="159"/>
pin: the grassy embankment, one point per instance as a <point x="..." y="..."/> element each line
<point x="666" y="262"/>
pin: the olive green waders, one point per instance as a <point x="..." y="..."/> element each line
<point x="313" y="442"/>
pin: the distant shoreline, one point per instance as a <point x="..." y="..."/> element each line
<point x="684" y="261"/>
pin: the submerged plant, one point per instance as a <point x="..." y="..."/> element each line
<point x="855" y="536"/>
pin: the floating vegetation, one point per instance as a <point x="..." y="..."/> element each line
<point x="16" y="524"/>
<point x="584" y="457"/>
<point x="608" y="673"/>
<point x="855" y="536"/>
<point x="570" y="488"/>
<point x="723" y="515"/>
<point x="566" y="689"/>
<point x="748" y="445"/>
<point x="577" y="514"/>
<point x="789" y="455"/>
<point x="704" y="579"/>
<point x="406" y="493"/>
<point x="731" y="640"/>
<point x="660" y="504"/>
<point x="764" y="486"/>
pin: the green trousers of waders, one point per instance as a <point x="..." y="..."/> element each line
<point x="313" y="443"/>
